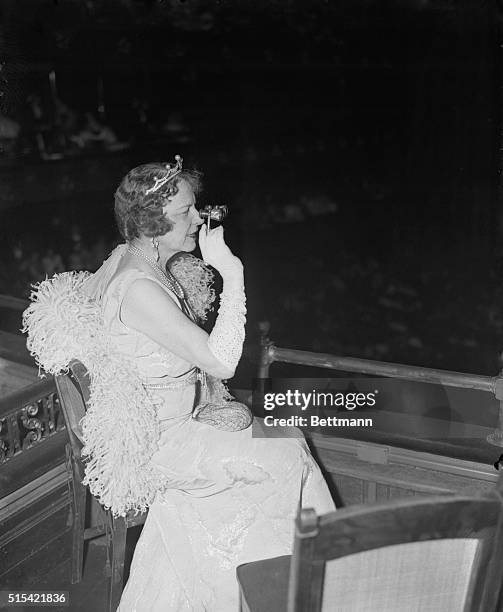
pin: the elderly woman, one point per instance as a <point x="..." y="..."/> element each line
<point x="223" y="493"/>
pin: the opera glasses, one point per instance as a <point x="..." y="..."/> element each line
<point x="214" y="213"/>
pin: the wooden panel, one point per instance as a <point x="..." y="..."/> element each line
<point x="350" y="490"/>
<point x="406" y="474"/>
<point x="32" y="572"/>
<point x="18" y="505"/>
<point x="38" y="527"/>
<point x="14" y="376"/>
<point x="32" y="463"/>
<point x="385" y="492"/>
<point x="13" y="348"/>
<point x="13" y="303"/>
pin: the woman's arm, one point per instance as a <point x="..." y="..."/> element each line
<point x="149" y="309"/>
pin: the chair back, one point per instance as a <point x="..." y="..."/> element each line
<point x="437" y="554"/>
<point x="74" y="392"/>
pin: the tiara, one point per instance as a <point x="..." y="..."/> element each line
<point x="172" y="171"/>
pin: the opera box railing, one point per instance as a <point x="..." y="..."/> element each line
<point x="35" y="512"/>
<point x="433" y="431"/>
<point x="29" y="416"/>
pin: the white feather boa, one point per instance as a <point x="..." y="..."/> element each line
<point x="120" y="428"/>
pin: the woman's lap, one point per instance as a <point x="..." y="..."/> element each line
<point x="234" y="500"/>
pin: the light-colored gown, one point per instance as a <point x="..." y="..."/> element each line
<point x="233" y="496"/>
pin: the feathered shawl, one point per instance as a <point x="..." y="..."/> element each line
<point x="120" y="428"/>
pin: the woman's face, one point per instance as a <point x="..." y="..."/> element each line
<point x="181" y="211"/>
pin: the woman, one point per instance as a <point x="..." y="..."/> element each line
<point x="227" y="497"/>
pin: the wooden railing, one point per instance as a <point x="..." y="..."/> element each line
<point x="35" y="499"/>
<point x="29" y="416"/>
<point x="269" y="353"/>
<point x="13" y="303"/>
<point x="13" y="345"/>
<point x="33" y="413"/>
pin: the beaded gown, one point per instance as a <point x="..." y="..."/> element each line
<point x="233" y="496"/>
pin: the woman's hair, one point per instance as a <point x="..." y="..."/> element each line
<point x="138" y="213"/>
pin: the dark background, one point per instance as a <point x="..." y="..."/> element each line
<point x="356" y="143"/>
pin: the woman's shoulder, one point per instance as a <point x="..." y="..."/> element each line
<point x="118" y="287"/>
<point x="126" y="276"/>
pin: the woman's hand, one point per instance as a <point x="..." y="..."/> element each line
<point x="216" y="253"/>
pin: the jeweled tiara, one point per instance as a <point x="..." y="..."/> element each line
<point x="172" y="171"/>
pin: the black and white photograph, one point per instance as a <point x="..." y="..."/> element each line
<point x="251" y="305"/>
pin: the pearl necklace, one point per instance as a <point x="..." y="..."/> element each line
<point x="166" y="278"/>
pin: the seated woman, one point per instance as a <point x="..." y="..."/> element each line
<point x="225" y="495"/>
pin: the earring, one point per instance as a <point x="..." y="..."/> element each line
<point x="155" y="246"/>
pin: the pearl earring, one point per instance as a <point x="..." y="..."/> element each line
<point x="155" y="246"/>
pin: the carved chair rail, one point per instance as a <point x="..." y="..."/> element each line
<point x="29" y="416"/>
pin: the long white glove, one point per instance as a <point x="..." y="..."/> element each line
<point x="228" y="334"/>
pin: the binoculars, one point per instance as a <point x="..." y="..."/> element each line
<point x="214" y="213"/>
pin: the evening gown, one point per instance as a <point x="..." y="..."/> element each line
<point x="232" y="499"/>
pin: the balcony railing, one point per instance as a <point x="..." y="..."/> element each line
<point x="13" y="303"/>
<point x="29" y="416"/>
<point x="33" y="414"/>
<point x="269" y="353"/>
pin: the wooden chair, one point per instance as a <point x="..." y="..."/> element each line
<point x="73" y="391"/>
<point x="432" y="554"/>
